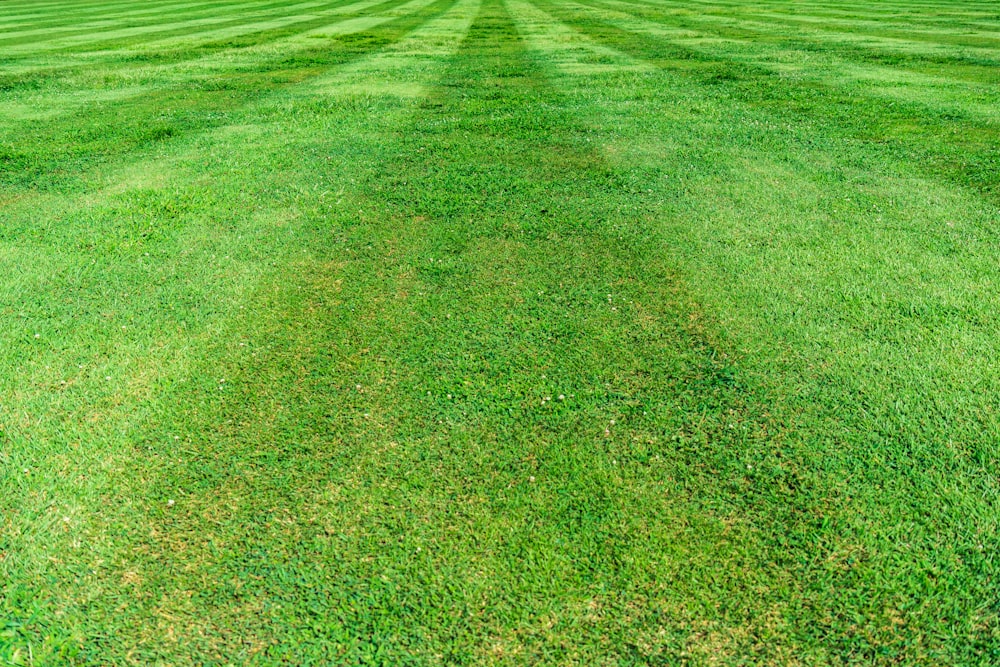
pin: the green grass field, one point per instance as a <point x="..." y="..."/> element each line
<point x="499" y="332"/>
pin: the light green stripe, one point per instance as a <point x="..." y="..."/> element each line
<point x="106" y="24"/>
<point x="942" y="92"/>
<point x="203" y="23"/>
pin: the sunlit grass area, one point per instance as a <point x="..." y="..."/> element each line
<point x="499" y="332"/>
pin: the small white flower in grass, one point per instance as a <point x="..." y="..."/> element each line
<point x="358" y="387"/>
<point x="170" y="503"/>
<point x="107" y="377"/>
<point x="612" y="422"/>
<point x="38" y="335"/>
<point x="449" y="396"/>
<point x="531" y="479"/>
<point x="65" y="519"/>
<point x="562" y="397"/>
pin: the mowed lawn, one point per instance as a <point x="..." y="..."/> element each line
<point x="612" y="332"/>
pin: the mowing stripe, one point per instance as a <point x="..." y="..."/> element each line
<point x="947" y="32"/>
<point x="964" y="158"/>
<point x="176" y="49"/>
<point x="302" y="24"/>
<point x="895" y="82"/>
<point x="859" y="45"/>
<point x="132" y="129"/>
<point x="726" y="181"/>
<point x="176" y="252"/>
<point x="102" y="16"/>
<point x="54" y="104"/>
<point x="408" y="66"/>
<point x="567" y="49"/>
<point x="66" y="14"/>
<point x="279" y="338"/>
<point x="206" y="28"/>
<point x="589" y="258"/>
<point x="102" y="28"/>
<point x="393" y="30"/>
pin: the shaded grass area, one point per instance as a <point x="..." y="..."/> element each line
<point x="582" y="346"/>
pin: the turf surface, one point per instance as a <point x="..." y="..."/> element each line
<point x="499" y="332"/>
